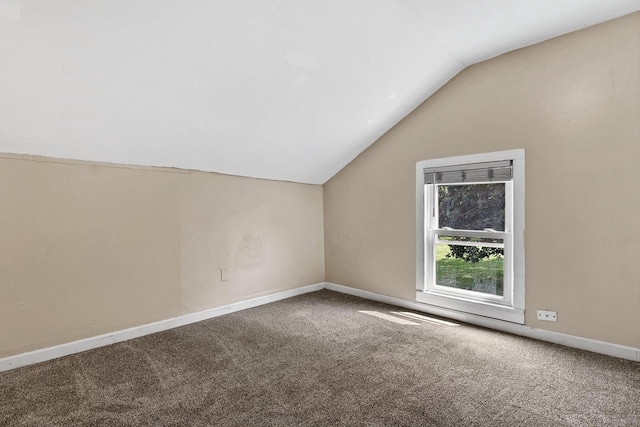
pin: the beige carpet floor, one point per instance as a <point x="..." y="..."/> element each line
<point x="325" y="359"/>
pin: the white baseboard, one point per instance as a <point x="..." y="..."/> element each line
<point x="42" y="355"/>
<point x="37" y="356"/>
<point x="602" y="347"/>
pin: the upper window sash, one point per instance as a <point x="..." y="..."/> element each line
<point x="431" y="210"/>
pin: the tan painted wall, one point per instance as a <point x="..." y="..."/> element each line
<point x="574" y="104"/>
<point x="87" y="249"/>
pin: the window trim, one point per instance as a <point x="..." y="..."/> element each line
<point x="512" y="312"/>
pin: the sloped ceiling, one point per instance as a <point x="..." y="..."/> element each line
<point x="278" y="89"/>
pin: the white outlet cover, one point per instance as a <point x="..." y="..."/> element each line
<point x="547" y="315"/>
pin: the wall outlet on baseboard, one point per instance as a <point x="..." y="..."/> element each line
<point x="225" y="275"/>
<point x="549" y="316"/>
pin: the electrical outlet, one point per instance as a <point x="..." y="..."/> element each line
<point x="225" y="275"/>
<point x="549" y="316"/>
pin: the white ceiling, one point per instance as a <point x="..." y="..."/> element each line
<point x="278" y="89"/>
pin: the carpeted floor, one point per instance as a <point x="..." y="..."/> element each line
<point x="325" y="359"/>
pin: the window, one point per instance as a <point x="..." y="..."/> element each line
<point x="470" y="217"/>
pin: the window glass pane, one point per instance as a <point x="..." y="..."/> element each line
<point x="479" y="269"/>
<point x="471" y="206"/>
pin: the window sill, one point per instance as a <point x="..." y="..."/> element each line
<point x="481" y="308"/>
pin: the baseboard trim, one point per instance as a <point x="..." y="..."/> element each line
<point x="602" y="347"/>
<point x="49" y="353"/>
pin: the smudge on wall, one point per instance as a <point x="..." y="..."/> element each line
<point x="251" y="253"/>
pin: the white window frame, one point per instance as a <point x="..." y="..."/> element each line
<point x="510" y="306"/>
